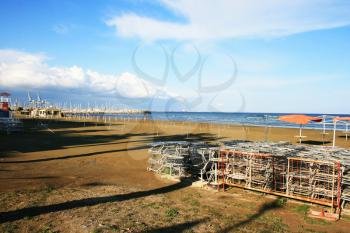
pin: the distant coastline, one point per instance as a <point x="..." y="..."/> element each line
<point x="247" y="119"/>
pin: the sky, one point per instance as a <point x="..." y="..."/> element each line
<point x="179" y="55"/>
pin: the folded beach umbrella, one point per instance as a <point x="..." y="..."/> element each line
<point x="300" y="120"/>
<point x="341" y="119"/>
<point x="335" y="120"/>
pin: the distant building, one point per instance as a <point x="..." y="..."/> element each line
<point x="46" y="113"/>
<point x="4" y="105"/>
<point x="7" y="123"/>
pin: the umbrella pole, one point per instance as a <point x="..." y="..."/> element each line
<point x="300" y="134"/>
<point x="334" y="129"/>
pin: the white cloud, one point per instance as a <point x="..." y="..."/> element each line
<point x="130" y="86"/>
<point x="25" y="70"/>
<point x="19" y="69"/>
<point x="208" y="19"/>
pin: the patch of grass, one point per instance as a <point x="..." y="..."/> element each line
<point x="191" y="201"/>
<point x="172" y="212"/>
<point x="153" y="205"/>
<point x="273" y="224"/>
<point x="194" y="202"/>
<point x="198" y="195"/>
<point x="114" y="228"/>
<point x="189" y="231"/>
<point x="237" y="204"/>
<point x="216" y="212"/>
<point x="48" y="189"/>
<point x="313" y="231"/>
<point x="265" y="231"/>
<point x="281" y="202"/>
<point x="316" y="221"/>
<point x="130" y="225"/>
<point x="9" y="228"/>
<point x="142" y="226"/>
<point x="278" y="225"/>
<point x="97" y="230"/>
<point x="47" y="229"/>
<point x="206" y="207"/>
<point x="248" y="205"/>
<point x="303" y="209"/>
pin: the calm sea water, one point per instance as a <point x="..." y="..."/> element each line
<point x="254" y="119"/>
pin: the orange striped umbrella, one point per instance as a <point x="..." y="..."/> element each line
<point x="300" y="120"/>
<point x="335" y="120"/>
<point x="341" y="119"/>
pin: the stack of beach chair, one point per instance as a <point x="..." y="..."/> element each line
<point x="178" y="158"/>
<point x="311" y="173"/>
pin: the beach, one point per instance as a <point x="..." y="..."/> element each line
<point x="123" y="143"/>
<point x="92" y="174"/>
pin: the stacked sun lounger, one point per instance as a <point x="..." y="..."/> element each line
<point x="177" y="158"/>
<point x="309" y="173"/>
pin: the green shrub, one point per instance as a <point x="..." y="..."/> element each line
<point x="172" y="213"/>
<point x="281" y="202"/>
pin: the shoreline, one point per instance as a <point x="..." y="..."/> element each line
<point x="217" y="130"/>
<point x="270" y="123"/>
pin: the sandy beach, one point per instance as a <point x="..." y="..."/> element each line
<point x="91" y="177"/>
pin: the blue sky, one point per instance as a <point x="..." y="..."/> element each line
<point x="279" y="56"/>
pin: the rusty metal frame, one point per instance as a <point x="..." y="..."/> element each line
<point x="287" y="169"/>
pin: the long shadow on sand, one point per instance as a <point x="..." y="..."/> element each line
<point x="188" y="137"/>
<point x="39" y="210"/>
<point x="31" y="178"/>
<point x="315" y="143"/>
<point x="149" y="138"/>
<point x="72" y="131"/>
<point x="34" y="139"/>
<point x="58" y="124"/>
<point x="44" y="141"/>
<point x="109" y="143"/>
<point x="75" y="156"/>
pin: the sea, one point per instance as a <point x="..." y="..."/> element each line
<point x="246" y="119"/>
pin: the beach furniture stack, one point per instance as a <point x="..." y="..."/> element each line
<point x="309" y="173"/>
<point x="178" y="159"/>
<point x="314" y="174"/>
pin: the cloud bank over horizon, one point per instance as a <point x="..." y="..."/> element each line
<point x="223" y="19"/>
<point x="22" y="70"/>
